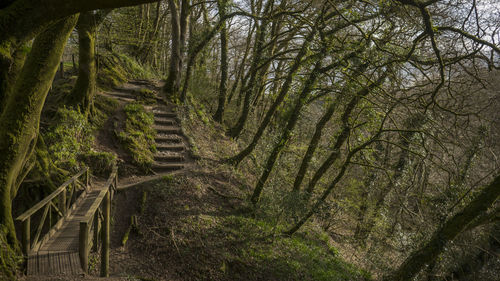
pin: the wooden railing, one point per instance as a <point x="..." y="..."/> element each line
<point x="60" y="203"/>
<point x="97" y="219"/>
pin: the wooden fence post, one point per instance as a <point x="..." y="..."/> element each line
<point x="96" y="231"/>
<point x="105" y="235"/>
<point x="26" y="236"/>
<point x="84" y="246"/>
<point x="87" y="177"/>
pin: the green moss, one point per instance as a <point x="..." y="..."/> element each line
<point x="9" y="260"/>
<point x="116" y="69"/>
<point x="69" y="136"/>
<point x="138" y="135"/>
<point x="103" y="108"/>
<point x="145" y="96"/>
<point x="100" y="163"/>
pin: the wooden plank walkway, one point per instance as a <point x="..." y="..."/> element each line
<point x="59" y="255"/>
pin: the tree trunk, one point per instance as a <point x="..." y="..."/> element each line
<point x="318" y="131"/>
<point x="21" y="116"/>
<point x="172" y="84"/>
<point x="413" y="123"/>
<point x="250" y="87"/>
<point x="342" y="137"/>
<point x="85" y="86"/>
<point x="448" y="231"/>
<point x="287" y="133"/>
<point x="83" y="93"/>
<point x="297" y="63"/>
<point x="8" y="75"/>
<point x="218" y="116"/>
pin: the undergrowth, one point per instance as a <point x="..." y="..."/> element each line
<point x="69" y="136"/>
<point x="138" y="135"/>
<point x="234" y="244"/>
<point x="116" y="69"/>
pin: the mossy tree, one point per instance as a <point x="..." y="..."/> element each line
<point x="21" y="115"/>
<point x="83" y="93"/>
<point x="179" y="21"/>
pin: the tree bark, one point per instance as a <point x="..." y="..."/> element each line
<point x="318" y="131"/>
<point x="218" y="116"/>
<point x="413" y="123"/>
<point x="83" y="93"/>
<point x="342" y="137"/>
<point x="179" y="21"/>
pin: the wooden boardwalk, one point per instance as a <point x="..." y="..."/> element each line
<point x="59" y="255"/>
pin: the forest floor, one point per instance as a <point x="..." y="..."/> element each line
<point x="195" y="224"/>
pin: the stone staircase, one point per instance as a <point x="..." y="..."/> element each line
<point x="170" y="155"/>
<point x="170" y="147"/>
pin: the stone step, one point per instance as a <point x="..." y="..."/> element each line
<point x="168" y="130"/>
<point x="164" y="122"/>
<point x="122" y="95"/>
<point x="167" y="139"/>
<point x="169" y="158"/>
<point x="170" y="147"/>
<point x="167" y="167"/>
<point x="165" y="114"/>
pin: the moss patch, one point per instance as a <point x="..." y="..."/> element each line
<point x="138" y="135"/>
<point x="145" y="96"/>
<point x="116" y="69"/>
<point x="9" y="260"/>
<point x="69" y="136"/>
<point x="100" y="163"/>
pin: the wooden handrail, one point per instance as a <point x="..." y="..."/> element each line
<point x="48" y="205"/>
<point x="51" y="196"/>
<point x="91" y="217"/>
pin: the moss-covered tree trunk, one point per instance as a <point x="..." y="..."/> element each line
<point x="222" y="4"/>
<point x="21" y="115"/>
<point x="84" y="91"/>
<point x="85" y="87"/>
<point x="179" y="22"/>
<point x="413" y="124"/>
<point x="448" y="231"/>
<point x="344" y="133"/>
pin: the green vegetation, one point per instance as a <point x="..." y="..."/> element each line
<point x="145" y="96"/>
<point x="100" y="163"/>
<point x="103" y="108"/>
<point x="138" y="135"/>
<point x="117" y="68"/>
<point x="322" y="133"/>
<point x="68" y="137"/>
<point x="9" y="259"/>
<point x="235" y="245"/>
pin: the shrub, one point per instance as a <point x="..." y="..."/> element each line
<point x="69" y="136"/>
